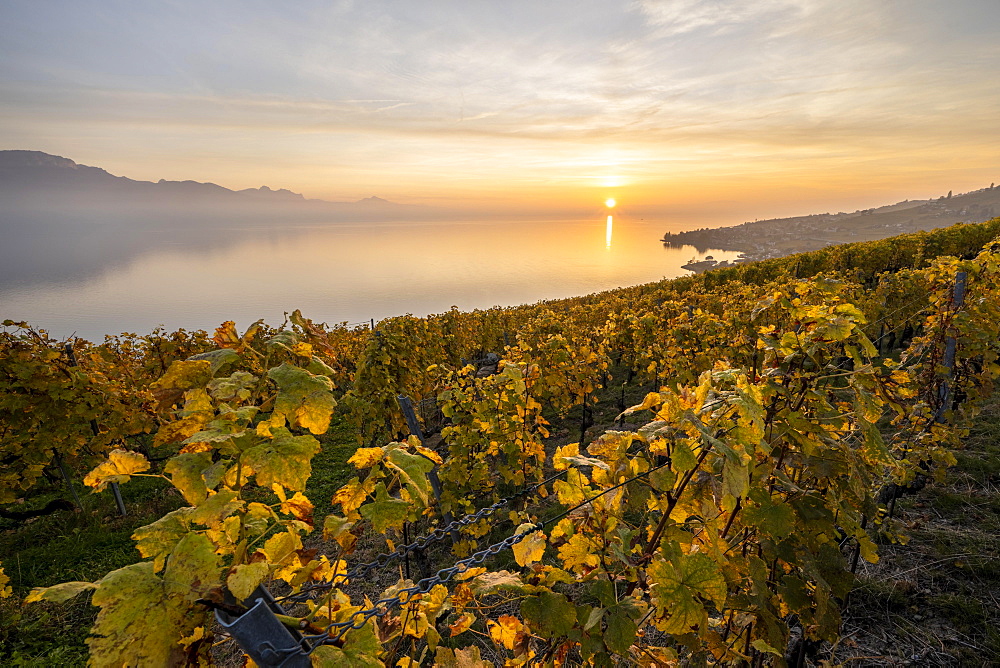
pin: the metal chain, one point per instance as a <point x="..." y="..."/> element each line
<point x="364" y="569"/>
<point x="383" y="606"/>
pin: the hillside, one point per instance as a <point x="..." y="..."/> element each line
<point x="748" y="508"/>
<point x="783" y="236"/>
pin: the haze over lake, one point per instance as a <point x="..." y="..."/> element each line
<point x="107" y="279"/>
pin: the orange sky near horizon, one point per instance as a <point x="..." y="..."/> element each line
<point x="696" y="110"/>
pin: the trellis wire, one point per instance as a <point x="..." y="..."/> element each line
<point x="382" y="607"/>
<point x="438" y="534"/>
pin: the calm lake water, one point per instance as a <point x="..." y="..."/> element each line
<point x="93" y="282"/>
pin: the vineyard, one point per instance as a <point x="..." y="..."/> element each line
<point x="686" y="472"/>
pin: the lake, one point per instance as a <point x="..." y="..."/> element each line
<point x="97" y="280"/>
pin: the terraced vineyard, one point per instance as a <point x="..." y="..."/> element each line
<point x="691" y="471"/>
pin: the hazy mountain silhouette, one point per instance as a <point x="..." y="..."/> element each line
<point x="33" y="182"/>
<point x="60" y="220"/>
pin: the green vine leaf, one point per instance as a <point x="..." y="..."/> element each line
<point x="361" y="648"/>
<point x="679" y="581"/>
<point x="385" y="512"/>
<point x="185" y="471"/>
<point x="550" y="613"/>
<point x="143" y="616"/>
<point x="620" y="632"/>
<point x="413" y="470"/>
<point x="284" y="460"/>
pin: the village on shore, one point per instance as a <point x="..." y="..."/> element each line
<point x="777" y="237"/>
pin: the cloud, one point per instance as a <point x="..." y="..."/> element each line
<point x="504" y="86"/>
<point x="676" y="17"/>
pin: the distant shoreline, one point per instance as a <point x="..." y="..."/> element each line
<point x="765" y="239"/>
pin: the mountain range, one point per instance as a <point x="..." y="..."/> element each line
<point x="32" y="182"/>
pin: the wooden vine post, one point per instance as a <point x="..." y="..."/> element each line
<point x="411" y="421"/>
<point x="951" y="346"/>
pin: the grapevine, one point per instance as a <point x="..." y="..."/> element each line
<point x="783" y="396"/>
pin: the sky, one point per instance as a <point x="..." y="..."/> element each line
<point x="714" y="110"/>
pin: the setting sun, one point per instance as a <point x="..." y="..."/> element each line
<point x="610" y="203"/>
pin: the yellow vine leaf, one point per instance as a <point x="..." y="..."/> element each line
<point x="185" y="471"/>
<point x="578" y="554"/>
<point x="120" y="465"/>
<point x="280" y="547"/>
<point x="59" y="593"/>
<point x="504" y="631"/>
<point x="573" y="490"/>
<point x="366" y="457"/>
<point x="434" y="601"/>
<point x="530" y="549"/>
<point x="296" y="569"/>
<point x="214" y="510"/>
<point x="353" y="494"/>
<point x="304" y="399"/>
<point x="462" y="624"/>
<point x="157" y="540"/>
<point x="324" y="570"/>
<point x="196" y="447"/>
<point x="559" y="462"/>
<point x="418" y="626"/>
<point x="5" y="590"/>
<point x="182" y="375"/>
<point x="361" y="649"/>
<point x="298" y="506"/>
<point x="244" y="578"/>
<point x="339" y="529"/>
<point x="179" y="430"/>
<point x="652" y="399"/>
<point x="198" y="634"/>
<point x="428" y="453"/>
<point x="470" y="573"/>
<point x="226" y="335"/>
<point x="611" y="445"/>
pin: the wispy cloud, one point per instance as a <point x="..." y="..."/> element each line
<point x="503" y="88"/>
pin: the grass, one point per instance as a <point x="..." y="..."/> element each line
<point x="936" y="599"/>
<point x="86" y="545"/>
<point x="68" y="546"/>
